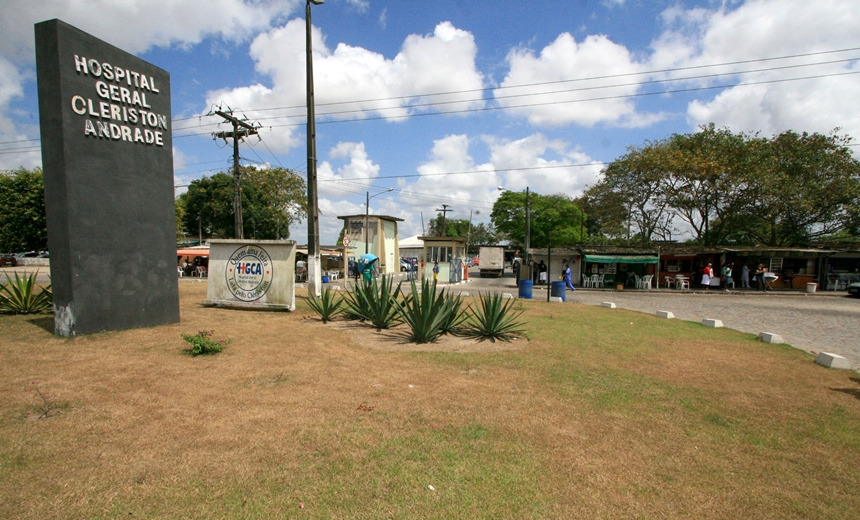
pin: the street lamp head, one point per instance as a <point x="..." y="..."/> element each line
<point x="500" y="188"/>
<point x="317" y="2"/>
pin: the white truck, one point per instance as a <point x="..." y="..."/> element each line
<point x="492" y="261"/>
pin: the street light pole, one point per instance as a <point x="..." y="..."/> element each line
<point x="367" y="217"/>
<point x="528" y="235"/>
<point x="314" y="264"/>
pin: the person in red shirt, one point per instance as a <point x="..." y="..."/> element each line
<point x="707" y="273"/>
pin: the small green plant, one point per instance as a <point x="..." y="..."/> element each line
<point x="20" y="296"/>
<point x="327" y="305"/>
<point x="204" y="343"/>
<point x="426" y="312"/>
<point x="494" y="319"/>
<point x="374" y="302"/>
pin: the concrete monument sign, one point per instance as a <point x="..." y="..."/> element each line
<point x="108" y="163"/>
<point x="259" y="273"/>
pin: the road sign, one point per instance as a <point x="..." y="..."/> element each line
<point x="345" y="242"/>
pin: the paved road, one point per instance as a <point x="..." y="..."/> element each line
<point x="820" y="322"/>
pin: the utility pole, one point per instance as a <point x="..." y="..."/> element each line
<point x="444" y="211"/>
<point x="314" y="260"/>
<point x="236" y="135"/>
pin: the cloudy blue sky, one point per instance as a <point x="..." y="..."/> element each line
<point x="446" y="100"/>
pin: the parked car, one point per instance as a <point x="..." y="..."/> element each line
<point x="404" y="265"/>
<point x="854" y="290"/>
<point x="7" y="260"/>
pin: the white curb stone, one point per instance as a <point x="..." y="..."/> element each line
<point x="556" y="299"/>
<point x="665" y="314"/>
<point x="826" y="359"/>
<point x="464" y="293"/>
<point x="508" y="296"/>
<point x="608" y="305"/>
<point x="770" y="337"/>
<point x="709" y="322"/>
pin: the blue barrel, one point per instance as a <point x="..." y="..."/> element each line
<point x="325" y="279"/>
<point x="558" y="289"/>
<point x="526" y="289"/>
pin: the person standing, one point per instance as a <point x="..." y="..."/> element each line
<point x="707" y="273"/>
<point x="435" y="271"/>
<point x="727" y="276"/>
<point x="516" y="265"/>
<point x="759" y="278"/>
<point x="745" y="276"/>
<point x="567" y="282"/>
<point x="542" y="272"/>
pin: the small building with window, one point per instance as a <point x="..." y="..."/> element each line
<point x="449" y="253"/>
<point x="375" y="235"/>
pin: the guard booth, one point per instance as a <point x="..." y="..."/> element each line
<point x="375" y="235"/>
<point x="449" y="252"/>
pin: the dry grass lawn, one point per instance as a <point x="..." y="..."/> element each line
<point x="599" y="414"/>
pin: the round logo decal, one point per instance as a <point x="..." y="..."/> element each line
<point x="249" y="273"/>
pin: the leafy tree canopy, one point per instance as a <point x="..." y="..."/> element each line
<point x="272" y="200"/>
<point x="22" y="218"/>
<point x="555" y="216"/>
<point x="731" y="189"/>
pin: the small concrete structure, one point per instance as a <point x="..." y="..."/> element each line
<point x="449" y="252"/>
<point x="665" y="314"/>
<point x="508" y="296"/>
<point x="826" y="359"/>
<point x="556" y="299"/>
<point x="608" y="305"/>
<point x="770" y="337"/>
<point x="709" y="322"/>
<point x="378" y="238"/>
<point x="257" y="274"/>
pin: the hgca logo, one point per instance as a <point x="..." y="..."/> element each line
<point x="249" y="273"/>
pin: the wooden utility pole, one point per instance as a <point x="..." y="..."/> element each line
<point x="236" y="135"/>
<point x="444" y="211"/>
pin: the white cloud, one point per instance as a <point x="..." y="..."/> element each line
<point x="359" y="82"/>
<point x="762" y="29"/>
<point x="556" y="100"/>
<point x="352" y="177"/>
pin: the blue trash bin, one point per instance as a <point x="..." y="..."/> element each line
<point x="525" y="289"/>
<point x="325" y="279"/>
<point x="558" y="289"/>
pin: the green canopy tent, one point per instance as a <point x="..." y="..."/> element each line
<point x="621" y="259"/>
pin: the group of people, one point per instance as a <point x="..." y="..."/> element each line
<point x="727" y="276"/>
<point x="540" y="272"/>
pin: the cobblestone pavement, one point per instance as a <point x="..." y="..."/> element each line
<point x="821" y="322"/>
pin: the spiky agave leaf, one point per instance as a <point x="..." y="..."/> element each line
<point x="20" y="297"/>
<point x="327" y="305"/>
<point x="425" y="313"/>
<point x="494" y="319"/>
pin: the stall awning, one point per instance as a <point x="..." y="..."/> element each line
<point x="620" y="259"/>
<point x="192" y="252"/>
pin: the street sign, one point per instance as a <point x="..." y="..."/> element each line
<point x="345" y="242"/>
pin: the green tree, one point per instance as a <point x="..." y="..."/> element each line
<point x="22" y="218"/>
<point x="454" y="227"/>
<point x="555" y="214"/>
<point x="272" y="200"/>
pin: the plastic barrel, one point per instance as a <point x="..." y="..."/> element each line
<point x="558" y="289"/>
<point x="526" y="289"/>
<point x="325" y="279"/>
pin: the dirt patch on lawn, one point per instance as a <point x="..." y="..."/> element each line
<point x="397" y="339"/>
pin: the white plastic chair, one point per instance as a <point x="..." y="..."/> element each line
<point x="645" y="281"/>
<point x="600" y="280"/>
<point x="670" y="282"/>
<point x="180" y="271"/>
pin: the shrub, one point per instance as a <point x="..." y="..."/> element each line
<point x="204" y="343"/>
<point x="494" y="319"/>
<point x="425" y="313"/>
<point x="374" y="302"/>
<point x="20" y="296"/>
<point x="327" y="305"/>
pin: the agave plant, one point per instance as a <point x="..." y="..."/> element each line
<point x="426" y="313"/>
<point x="327" y="305"/>
<point x="494" y="319"/>
<point x="455" y="315"/>
<point x="20" y="296"/>
<point x="374" y="302"/>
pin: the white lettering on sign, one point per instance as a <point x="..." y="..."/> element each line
<point x="119" y="110"/>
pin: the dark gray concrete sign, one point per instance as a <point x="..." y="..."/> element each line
<point x="108" y="163"/>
